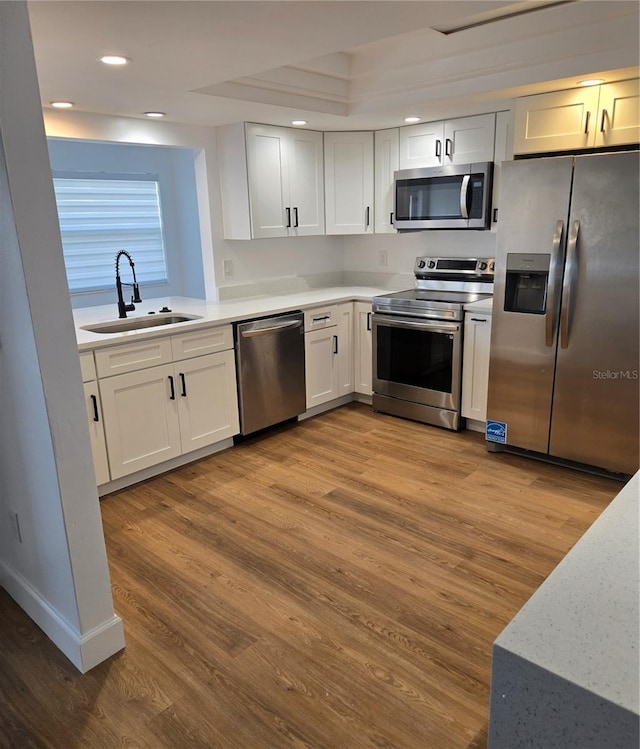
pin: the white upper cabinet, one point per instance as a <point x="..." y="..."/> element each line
<point x="348" y="163"/>
<point x="386" y="162"/>
<point x="587" y="117"/>
<point x="464" y="140"/>
<point x="618" y="114"/>
<point x="272" y="181"/>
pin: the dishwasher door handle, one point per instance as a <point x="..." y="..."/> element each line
<point x="273" y="329"/>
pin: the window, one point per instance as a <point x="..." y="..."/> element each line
<point x="100" y="216"/>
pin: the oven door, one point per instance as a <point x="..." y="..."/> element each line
<point x="417" y="360"/>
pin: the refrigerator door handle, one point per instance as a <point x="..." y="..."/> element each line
<point x="567" y="283"/>
<point x="554" y="266"/>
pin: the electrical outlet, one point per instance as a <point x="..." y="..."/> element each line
<point x="382" y="258"/>
<point x="14" y="520"/>
<point x="227" y="268"/>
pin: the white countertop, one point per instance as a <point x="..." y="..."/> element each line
<point x="210" y="313"/>
<point x="484" y="305"/>
<point x="582" y="623"/>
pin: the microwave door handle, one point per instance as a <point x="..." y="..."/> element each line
<point x="567" y="283"/>
<point x="554" y="269"/>
<point x="464" y="200"/>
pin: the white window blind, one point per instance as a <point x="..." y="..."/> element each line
<point x="97" y="218"/>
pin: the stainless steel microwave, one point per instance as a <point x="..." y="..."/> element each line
<point x="444" y="197"/>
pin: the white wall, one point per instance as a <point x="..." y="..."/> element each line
<point x="58" y="573"/>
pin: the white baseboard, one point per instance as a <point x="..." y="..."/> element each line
<point x="84" y="651"/>
<point x="476" y="426"/>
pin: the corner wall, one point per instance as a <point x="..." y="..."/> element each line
<point x="56" y="567"/>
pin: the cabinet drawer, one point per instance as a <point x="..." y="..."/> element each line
<point x="132" y="356"/>
<point x="201" y="342"/>
<point x="320" y="317"/>
<point x="87" y="366"/>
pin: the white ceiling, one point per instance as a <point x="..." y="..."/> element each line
<point x="340" y="65"/>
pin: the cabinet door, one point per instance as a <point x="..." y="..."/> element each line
<point x="387" y="161"/>
<point x="503" y="152"/>
<point x="348" y="159"/>
<point x="345" y="349"/>
<point x="362" y="349"/>
<point x="96" y="432"/>
<point x="469" y="140"/>
<point x="140" y="419"/>
<point x="207" y="400"/>
<point x="320" y="351"/>
<point x="619" y="116"/>
<point x="306" y="182"/>
<point x="558" y="121"/>
<point x="422" y="145"/>
<point x="268" y="181"/>
<point x="475" y="365"/>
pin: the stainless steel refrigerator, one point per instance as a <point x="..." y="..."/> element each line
<point x="563" y="372"/>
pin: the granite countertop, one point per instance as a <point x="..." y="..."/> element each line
<point x="210" y="313"/>
<point x="582" y="624"/>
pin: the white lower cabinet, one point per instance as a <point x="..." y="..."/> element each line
<point x="475" y="365"/>
<point x="155" y="413"/>
<point x="328" y="355"/>
<point x="141" y="419"/>
<point x="363" y="348"/>
<point x="96" y="432"/>
<point x="207" y="401"/>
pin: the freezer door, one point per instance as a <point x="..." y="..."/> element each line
<point x="595" y="402"/>
<point x="534" y="207"/>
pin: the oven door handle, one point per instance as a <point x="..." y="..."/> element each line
<point x="433" y="326"/>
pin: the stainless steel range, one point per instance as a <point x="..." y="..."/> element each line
<point x="417" y="340"/>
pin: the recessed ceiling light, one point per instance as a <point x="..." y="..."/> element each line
<point x="412" y="119"/>
<point x="592" y="82"/>
<point x="62" y="104"/>
<point x="155" y="114"/>
<point x="114" y="60"/>
<point x="298" y="122"/>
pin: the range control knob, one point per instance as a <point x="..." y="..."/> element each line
<point x="431" y="264"/>
<point x="421" y="263"/>
<point x="492" y="266"/>
<point x="482" y="265"/>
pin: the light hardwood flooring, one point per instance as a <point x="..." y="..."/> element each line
<point x="335" y="584"/>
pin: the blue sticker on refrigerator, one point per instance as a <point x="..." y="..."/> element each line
<point x="496" y="431"/>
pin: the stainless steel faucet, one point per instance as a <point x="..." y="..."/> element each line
<point x="135" y="298"/>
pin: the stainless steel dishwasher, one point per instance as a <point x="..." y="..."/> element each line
<point x="270" y="364"/>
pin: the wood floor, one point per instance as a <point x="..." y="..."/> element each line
<point x="336" y="584"/>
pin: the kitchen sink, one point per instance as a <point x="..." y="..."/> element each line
<point x="138" y="323"/>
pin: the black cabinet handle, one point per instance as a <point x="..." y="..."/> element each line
<point x="366" y="217"/>
<point x="288" y="210"/>
<point x="172" y="397"/>
<point x="335" y="344"/>
<point x="605" y="114"/>
<point x="368" y="320"/>
<point x="184" y="385"/>
<point x="479" y="319"/>
<point x="586" y="123"/>
<point x="295" y="218"/>
<point x="391" y="218"/>
<point x="94" y="400"/>
<point x="438" y="148"/>
<point x="320" y="319"/>
<point x="448" y="147"/>
<point x="495" y="215"/>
